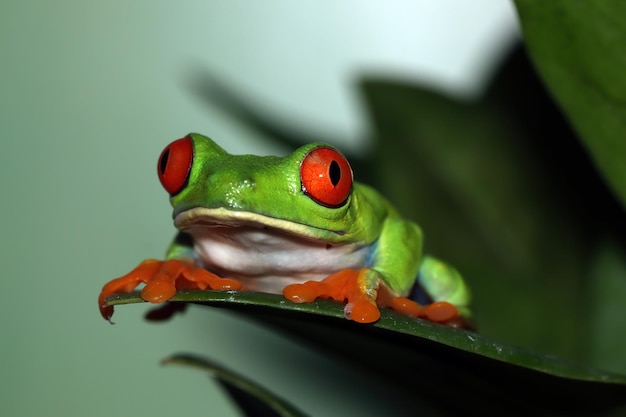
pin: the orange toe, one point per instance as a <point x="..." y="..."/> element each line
<point x="362" y="310"/>
<point x="440" y="312"/>
<point x="304" y="293"/>
<point x="405" y="306"/>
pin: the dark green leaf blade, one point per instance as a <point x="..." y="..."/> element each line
<point x="253" y="399"/>
<point x="429" y="359"/>
<point x="578" y="47"/>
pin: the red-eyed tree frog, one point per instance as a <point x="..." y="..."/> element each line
<point x="297" y="224"/>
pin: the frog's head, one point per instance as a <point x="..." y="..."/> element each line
<point x="309" y="193"/>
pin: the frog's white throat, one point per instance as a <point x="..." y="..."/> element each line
<point x="263" y="252"/>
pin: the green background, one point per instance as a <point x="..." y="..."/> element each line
<point x="90" y="93"/>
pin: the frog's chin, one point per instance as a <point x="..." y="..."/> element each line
<point x="222" y="217"/>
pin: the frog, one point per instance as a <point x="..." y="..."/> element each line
<point x="297" y="225"/>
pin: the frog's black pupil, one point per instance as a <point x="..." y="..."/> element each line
<point x="335" y="173"/>
<point x="164" y="159"/>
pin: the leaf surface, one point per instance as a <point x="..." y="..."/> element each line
<point x="431" y="360"/>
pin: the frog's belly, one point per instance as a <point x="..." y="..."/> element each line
<point x="268" y="260"/>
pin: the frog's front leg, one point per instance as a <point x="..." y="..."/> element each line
<point x="364" y="291"/>
<point x="392" y="265"/>
<point x="357" y="288"/>
<point x="396" y="262"/>
<point x="164" y="278"/>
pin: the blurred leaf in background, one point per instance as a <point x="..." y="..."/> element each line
<point x="501" y="187"/>
<point x="252" y="399"/>
<point x="578" y="47"/>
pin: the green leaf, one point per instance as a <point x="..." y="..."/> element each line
<point x="502" y="189"/>
<point x="430" y="360"/>
<point x="578" y="47"/>
<point x="471" y="176"/>
<point x="607" y="293"/>
<point x="253" y="399"/>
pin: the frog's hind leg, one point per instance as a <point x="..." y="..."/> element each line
<point x="438" y="281"/>
<point x="439" y="295"/>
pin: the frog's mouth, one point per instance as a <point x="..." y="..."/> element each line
<point x="222" y="217"/>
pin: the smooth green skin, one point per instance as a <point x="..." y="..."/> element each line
<point x="269" y="188"/>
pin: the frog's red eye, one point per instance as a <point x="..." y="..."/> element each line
<point x="175" y="164"/>
<point x="326" y="177"/>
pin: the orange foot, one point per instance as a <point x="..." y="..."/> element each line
<point x="347" y="284"/>
<point x="351" y="285"/>
<point x="163" y="279"/>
